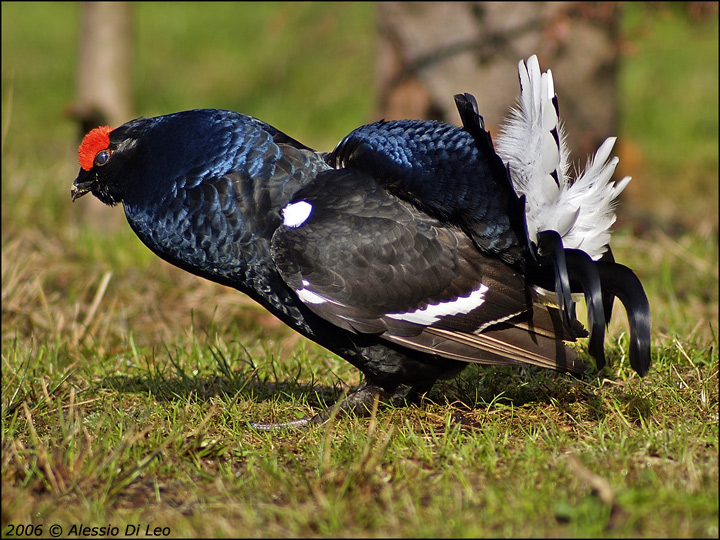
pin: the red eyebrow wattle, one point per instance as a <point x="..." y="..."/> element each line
<point x="95" y="141"/>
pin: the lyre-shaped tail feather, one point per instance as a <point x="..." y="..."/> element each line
<point x="569" y="219"/>
<point x="621" y="282"/>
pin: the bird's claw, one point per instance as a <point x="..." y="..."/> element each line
<point x="361" y="402"/>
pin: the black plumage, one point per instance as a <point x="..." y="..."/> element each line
<point x="405" y="250"/>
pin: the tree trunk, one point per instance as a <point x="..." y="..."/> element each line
<point x="104" y="82"/>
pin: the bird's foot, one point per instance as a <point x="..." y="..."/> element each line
<point x="361" y="402"/>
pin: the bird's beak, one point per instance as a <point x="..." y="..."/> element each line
<point x="80" y="187"/>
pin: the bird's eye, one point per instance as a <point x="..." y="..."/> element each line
<point x="102" y="158"/>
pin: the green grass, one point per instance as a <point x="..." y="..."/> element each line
<point x="669" y="116"/>
<point x="127" y="384"/>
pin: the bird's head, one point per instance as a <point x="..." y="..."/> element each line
<point x="103" y="156"/>
<point x="147" y="158"/>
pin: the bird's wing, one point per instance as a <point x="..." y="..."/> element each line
<point x="448" y="172"/>
<point x="370" y="262"/>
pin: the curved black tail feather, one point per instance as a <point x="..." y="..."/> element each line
<point x="608" y="297"/>
<point x="621" y="282"/>
<point x="574" y="267"/>
<point x="583" y="270"/>
<point x="471" y="118"/>
<point x="550" y="247"/>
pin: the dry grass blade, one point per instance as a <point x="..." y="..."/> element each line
<point x="99" y="293"/>
<point x="599" y="485"/>
<point x="57" y="483"/>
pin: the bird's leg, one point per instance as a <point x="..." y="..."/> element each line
<point x="416" y="393"/>
<point x="360" y="402"/>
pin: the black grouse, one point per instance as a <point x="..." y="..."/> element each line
<point x="410" y="250"/>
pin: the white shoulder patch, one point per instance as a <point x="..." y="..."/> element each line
<point x="296" y="214"/>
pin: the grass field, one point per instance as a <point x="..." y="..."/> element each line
<point x="127" y="384"/>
